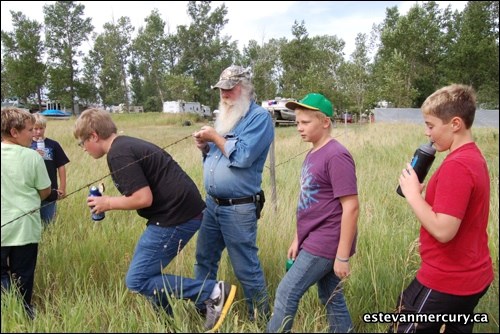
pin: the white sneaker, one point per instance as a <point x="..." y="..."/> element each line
<point x="217" y="308"/>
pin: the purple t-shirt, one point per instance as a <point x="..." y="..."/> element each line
<point x="327" y="174"/>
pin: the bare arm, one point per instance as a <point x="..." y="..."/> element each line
<point x="44" y="193"/>
<point x="62" y="181"/>
<point x="140" y="199"/>
<point x="441" y="226"/>
<point x="293" y="250"/>
<point x="348" y="228"/>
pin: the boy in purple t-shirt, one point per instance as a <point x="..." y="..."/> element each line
<point x="327" y="215"/>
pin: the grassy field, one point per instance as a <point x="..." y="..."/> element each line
<point x="79" y="285"/>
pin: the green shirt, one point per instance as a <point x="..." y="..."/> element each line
<point x="23" y="174"/>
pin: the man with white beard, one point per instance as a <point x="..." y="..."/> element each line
<point x="234" y="152"/>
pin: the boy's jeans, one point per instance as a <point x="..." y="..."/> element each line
<point x="307" y="270"/>
<point x="156" y="248"/>
<point x="48" y="211"/>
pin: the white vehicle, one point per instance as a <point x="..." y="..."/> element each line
<point x="277" y="108"/>
<point x="181" y="106"/>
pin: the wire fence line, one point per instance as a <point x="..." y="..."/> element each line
<point x="86" y="186"/>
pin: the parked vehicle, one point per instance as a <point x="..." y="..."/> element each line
<point x="280" y="113"/>
<point x="345" y="117"/>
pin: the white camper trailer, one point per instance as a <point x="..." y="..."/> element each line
<point x="181" y="106"/>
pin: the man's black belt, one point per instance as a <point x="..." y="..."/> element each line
<point x="235" y="201"/>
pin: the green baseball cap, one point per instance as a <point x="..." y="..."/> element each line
<point x="313" y="101"/>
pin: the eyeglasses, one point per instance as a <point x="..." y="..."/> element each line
<point x="82" y="142"/>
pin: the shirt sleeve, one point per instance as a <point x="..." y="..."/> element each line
<point x="453" y="189"/>
<point x="247" y="145"/>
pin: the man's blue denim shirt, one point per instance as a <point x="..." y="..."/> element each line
<point x="240" y="173"/>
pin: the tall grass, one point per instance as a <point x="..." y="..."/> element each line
<point x="79" y="283"/>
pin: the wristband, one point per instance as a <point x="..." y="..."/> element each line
<point x="341" y="259"/>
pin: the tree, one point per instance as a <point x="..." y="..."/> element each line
<point x="417" y="40"/>
<point x="109" y="59"/>
<point x="296" y="57"/>
<point x="474" y="56"/>
<point x="65" y="30"/>
<point x="23" y="71"/>
<point x="149" y="49"/>
<point x="263" y="61"/>
<point x="203" y="52"/>
<point x="356" y="73"/>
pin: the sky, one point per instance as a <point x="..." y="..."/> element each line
<point x="257" y="20"/>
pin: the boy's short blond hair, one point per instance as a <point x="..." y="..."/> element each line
<point x="94" y="120"/>
<point x="15" y="118"/>
<point x="316" y="113"/>
<point x="40" y="120"/>
<point x="452" y="101"/>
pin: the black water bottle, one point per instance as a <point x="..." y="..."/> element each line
<point x="421" y="162"/>
<point x="94" y="191"/>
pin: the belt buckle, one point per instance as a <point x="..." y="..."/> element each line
<point x="216" y="200"/>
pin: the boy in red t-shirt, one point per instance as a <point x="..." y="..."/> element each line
<point x="456" y="268"/>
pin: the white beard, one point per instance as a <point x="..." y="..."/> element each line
<point x="230" y="113"/>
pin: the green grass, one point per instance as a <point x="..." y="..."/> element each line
<point x="79" y="282"/>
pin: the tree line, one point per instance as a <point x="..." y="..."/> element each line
<point x="405" y="58"/>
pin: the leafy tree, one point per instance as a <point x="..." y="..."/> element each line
<point x="149" y="49"/>
<point x="109" y="58"/>
<point x="203" y="52"/>
<point x="263" y="61"/>
<point x="4" y="81"/>
<point x="474" y="56"/>
<point x="416" y="54"/>
<point x="395" y="81"/>
<point x="416" y="39"/>
<point x="65" y="30"/>
<point x="296" y="58"/>
<point x="323" y="73"/>
<point x="356" y="75"/>
<point x="136" y="85"/>
<point x="181" y="87"/>
<point x="23" y="71"/>
<point x="89" y="85"/>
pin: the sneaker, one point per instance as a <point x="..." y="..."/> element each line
<point x="217" y="308"/>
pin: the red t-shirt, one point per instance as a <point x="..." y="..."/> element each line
<point x="460" y="188"/>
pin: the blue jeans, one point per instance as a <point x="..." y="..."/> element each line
<point x="234" y="227"/>
<point x="47" y="211"/>
<point x="307" y="270"/>
<point x="156" y="248"/>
